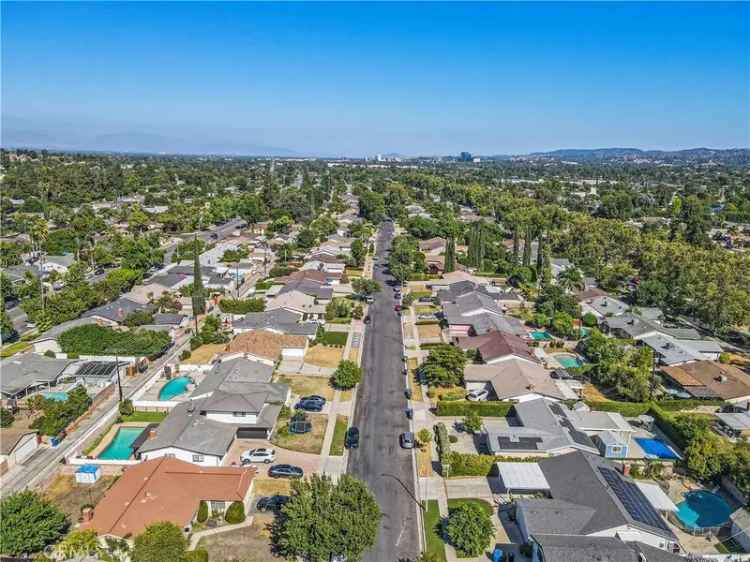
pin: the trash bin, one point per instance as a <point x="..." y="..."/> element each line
<point x="407" y="393"/>
<point x="409" y="413"/>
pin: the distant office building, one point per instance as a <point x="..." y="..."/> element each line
<point x="465" y="157"/>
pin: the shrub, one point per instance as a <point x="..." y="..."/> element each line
<point x="197" y="555"/>
<point x="473" y="422"/>
<point x="126" y="407"/>
<point x="469" y="529"/>
<point x="281" y="271"/>
<point x="185" y="354"/>
<point x="241" y="306"/>
<point x="347" y="375"/>
<point x="6" y="417"/>
<point x="202" y="516"/>
<point x="235" y="513"/>
<point x="424" y="436"/>
<point x="627" y="409"/>
<point x="49" y="353"/>
<point x="484" y="409"/>
<point x="442" y="441"/>
<point x="100" y="340"/>
<point x="30" y="523"/>
<point x="463" y="464"/>
<point x="158" y="542"/>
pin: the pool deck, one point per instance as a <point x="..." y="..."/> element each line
<point x="107" y="439"/>
<point x="152" y="394"/>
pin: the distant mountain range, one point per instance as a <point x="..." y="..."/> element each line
<point x="576" y="154"/>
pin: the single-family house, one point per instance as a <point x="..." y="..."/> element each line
<point x="709" y="379"/>
<point x="575" y="548"/>
<point x="28" y="372"/>
<point x="268" y="347"/>
<point x="734" y="424"/>
<point x="591" y="497"/>
<point x="603" y="306"/>
<point x="494" y="347"/>
<point x="476" y="313"/>
<point x="433" y="246"/>
<point x="295" y="301"/>
<point x="278" y="320"/>
<point x="167" y="489"/>
<point x="117" y="310"/>
<point x="740" y="529"/>
<point x="60" y="264"/>
<point x="516" y="380"/>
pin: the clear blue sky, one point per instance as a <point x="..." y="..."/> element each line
<point x="354" y="79"/>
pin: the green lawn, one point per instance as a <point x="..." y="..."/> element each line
<point x="453" y="504"/>
<point x="334" y="339"/>
<point x="147" y="417"/>
<point x="14" y="348"/>
<point x="433" y="530"/>
<point x="339" y="436"/>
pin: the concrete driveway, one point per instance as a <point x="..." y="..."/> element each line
<point x="308" y="462"/>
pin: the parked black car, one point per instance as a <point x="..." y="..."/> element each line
<point x="271" y="503"/>
<point x="309" y="405"/>
<point x="285" y="471"/>
<point x="352" y="438"/>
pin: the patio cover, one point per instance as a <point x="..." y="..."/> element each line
<point x="522" y="476"/>
<point x="656" y="496"/>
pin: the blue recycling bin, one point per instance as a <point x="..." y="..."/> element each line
<point x="497" y="554"/>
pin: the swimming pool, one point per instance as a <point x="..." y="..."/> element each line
<point x="702" y="509"/>
<point x="58" y="396"/>
<point x="657" y="448"/>
<point x="174" y="387"/>
<point x="540" y="335"/>
<point x="569" y="361"/>
<point x="121" y="446"/>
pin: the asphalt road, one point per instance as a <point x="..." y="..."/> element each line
<point x="380" y="416"/>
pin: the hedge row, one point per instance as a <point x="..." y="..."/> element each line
<point x="633" y="409"/>
<point x="463" y="408"/>
<point x="666" y="423"/>
<point x="464" y="464"/>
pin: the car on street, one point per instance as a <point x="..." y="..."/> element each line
<point x="406" y="440"/>
<point x="368" y="319"/>
<point x="397" y="308"/>
<point x="309" y="405"/>
<point x="478" y="395"/>
<point x="271" y="503"/>
<point x="352" y="438"/>
<point x="285" y="471"/>
<point x="263" y="455"/>
<point x="314" y="398"/>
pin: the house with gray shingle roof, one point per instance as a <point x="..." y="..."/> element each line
<point x="591" y="497"/>
<point x="117" y="310"/>
<point x="279" y="320"/>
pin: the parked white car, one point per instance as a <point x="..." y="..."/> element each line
<point x="258" y="455"/>
<point x="478" y="395"/>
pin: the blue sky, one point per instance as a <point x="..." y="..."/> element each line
<point x="356" y="79"/>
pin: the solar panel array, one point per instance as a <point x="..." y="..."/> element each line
<point x="633" y="499"/>
<point x="97" y="369"/>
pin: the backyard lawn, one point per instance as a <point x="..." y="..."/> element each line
<point x="147" y="417"/>
<point x="254" y="540"/>
<point x="339" y="436"/>
<point x="324" y="356"/>
<point x="306" y="443"/>
<point x="70" y="497"/>
<point x="203" y="354"/>
<point x="303" y="386"/>
<point x="433" y="529"/>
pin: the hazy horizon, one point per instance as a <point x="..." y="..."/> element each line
<point x="356" y="80"/>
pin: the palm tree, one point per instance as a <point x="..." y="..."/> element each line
<point x="571" y="279"/>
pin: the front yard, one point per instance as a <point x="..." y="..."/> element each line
<point x="303" y="385"/>
<point x="426" y="331"/>
<point x="339" y="436"/>
<point x="253" y="541"/>
<point x="324" y="356"/>
<point x="203" y="354"/>
<point x="433" y="526"/>
<point x="304" y="443"/>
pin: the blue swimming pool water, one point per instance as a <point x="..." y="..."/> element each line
<point x="540" y="336"/>
<point x="569" y="361"/>
<point x="173" y="388"/>
<point x="703" y="509"/>
<point x="59" y="396"/>
<point x="121" y="446"/>
<point x="657" y="448"/>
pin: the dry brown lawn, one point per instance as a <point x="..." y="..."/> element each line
<point x="424" y="462"/>
<point x="204" y="354"/>
<point x="429" y="331"/>
<point x="324" y="356"/>
<point x="303" y="385"/>
<point x="307" y="442"/>
<point x="590" y="392"/>
<point x="271" y="486"/>
<point x="70" y="497"/>
<point x="251" y="543"/>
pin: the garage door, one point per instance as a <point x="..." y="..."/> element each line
<point x="251" y="433"/>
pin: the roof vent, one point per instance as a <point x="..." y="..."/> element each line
<point x="721" y="378"/>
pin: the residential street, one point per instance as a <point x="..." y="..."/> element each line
<point x="380" y="415"/>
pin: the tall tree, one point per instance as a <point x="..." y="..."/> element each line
<point x="450" y="255"/>
<point x="198" y="296"/>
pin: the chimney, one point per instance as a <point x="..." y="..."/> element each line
<point x="87" y="513"/>
<point x="152" y="433"/>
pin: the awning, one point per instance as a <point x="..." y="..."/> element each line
<point x="656" y="496"/>
<point x="522" y="476"/>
